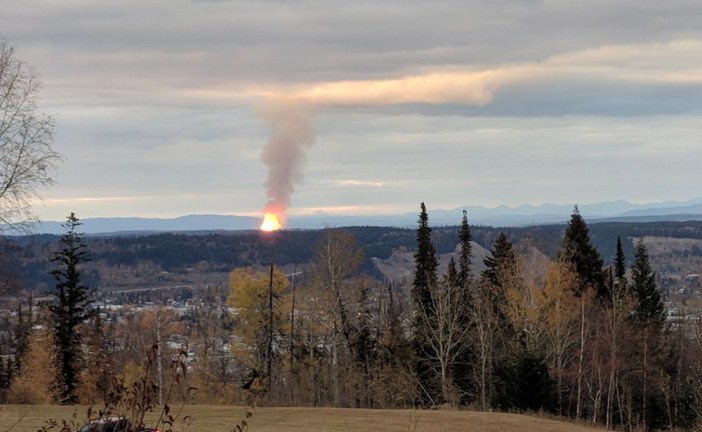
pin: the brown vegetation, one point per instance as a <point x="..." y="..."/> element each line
<point x="220" y="418"/>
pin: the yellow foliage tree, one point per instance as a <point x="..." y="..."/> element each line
<point x="523" y="302"/>
<point x="560" y="309"/>
<point x="35" y="383"/>
<point x="258" y="300"/>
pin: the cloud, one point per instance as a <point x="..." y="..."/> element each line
<point x="674" y="63"/>
<point x="359" y="183"/>
<point x="160" y="98"/>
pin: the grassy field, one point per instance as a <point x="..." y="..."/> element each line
<point x="18" y="418"/>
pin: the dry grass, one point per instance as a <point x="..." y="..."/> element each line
<point x="218" y="418"/>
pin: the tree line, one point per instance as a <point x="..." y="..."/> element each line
<point x="567" y="335"/>
<point x="579" y="339"/>
<point x="68" y="350"/>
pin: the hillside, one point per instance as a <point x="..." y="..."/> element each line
<point x="204" y="258"/>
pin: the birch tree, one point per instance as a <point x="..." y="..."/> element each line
<point x="445" y="333"/>
<point x="27" y="159"/>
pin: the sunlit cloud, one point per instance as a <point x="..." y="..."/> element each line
<point x="674" y="62"/>
<point x="349" y="210"/>
<point x="359" y="183"/>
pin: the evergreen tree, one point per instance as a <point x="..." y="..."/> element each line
<point x="617" y="276"/>
<point x="425" y="262"/>
<point x="464" y="274"/>
<point x="462" y="279"/>
<point x="649" y="317"/>
<point x="502" y="257"/>
<point x="619" y="261"/>
<point x="425" y="279"/>
<point x="500" y="270"/>
<point x="70" y="308"/>
<point x="649" y="306"/>
<point x="578" y="250"/>
<point x="452" y="275"/>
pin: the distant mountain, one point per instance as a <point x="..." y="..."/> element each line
<point x="503" y="216"/>
<point x="694" y="209"/>
<point x="135" y="224"/>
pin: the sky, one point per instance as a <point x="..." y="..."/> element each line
<point x="163" y="108"/>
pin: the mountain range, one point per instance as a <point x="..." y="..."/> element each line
<point x="478" y="215"/>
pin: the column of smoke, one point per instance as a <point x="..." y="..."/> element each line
<point x="289" y="116"/>
<point x="284" y="154"/>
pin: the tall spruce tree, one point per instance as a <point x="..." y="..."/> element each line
<point x="618" y="278"/>
<point x="70" y="308"/>
<point x="577" y="249"/>
<point x="500" y="270"/>
<point x="462" y="372"/>
<point x="464" y="272"/>
<point x="426" y="265"/>
<point x="452" y="276"/>
<point x="649" y="316"/>
<point x="619" y="261"/>
<point x="501" y="257"/>
<point x="649" y="305"/>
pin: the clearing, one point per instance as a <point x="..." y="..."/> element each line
<point x="30" y="418"/>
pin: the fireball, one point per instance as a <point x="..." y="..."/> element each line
<point x="270" y="223"/>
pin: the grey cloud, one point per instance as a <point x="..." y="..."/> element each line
<point x="308" y="41"/>
<point x="148" y="98"/>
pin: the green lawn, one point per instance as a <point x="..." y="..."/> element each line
<point x="18" y="418"/>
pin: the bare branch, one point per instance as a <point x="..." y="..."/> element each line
<point x="27" y="159"/>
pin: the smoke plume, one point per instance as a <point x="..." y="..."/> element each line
<point x="289" y="115"/>
<point x="291" y="135"/>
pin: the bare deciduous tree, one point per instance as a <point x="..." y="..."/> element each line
<point x="560" y="308"/>
<point x="27" y="158"/>
<point x="445" y="333"/>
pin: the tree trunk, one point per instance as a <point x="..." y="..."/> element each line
<point x="292" y="342"/>
<point x="645" y="377"/>
<point x="335" y="370"/>
<point x="159" y="359"/>
<point x="578" y="405"/>
<point x="269" y="348"/>
<point x="610" y="396"/>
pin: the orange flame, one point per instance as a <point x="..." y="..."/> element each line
<point x="270" y="223"/>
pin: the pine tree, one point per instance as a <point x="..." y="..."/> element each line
<point x="577" y="248"/>
<point x="649" y="315"/>
<point x="461" y="278"/>
<point x="649" y="306"/>
<point x="464" y="273"/>
<point x="502" y="257"/>
<point x="619" y="261"/>
<point x="617" y="276"/>
<point x="425" y="262"/>
<point x="70" y="308"/>
<point x="425" y="280"/>
<point x="500" y="268"/>
<point x="452" y="275"/>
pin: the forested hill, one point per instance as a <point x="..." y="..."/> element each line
<point x="154" y="258"/>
